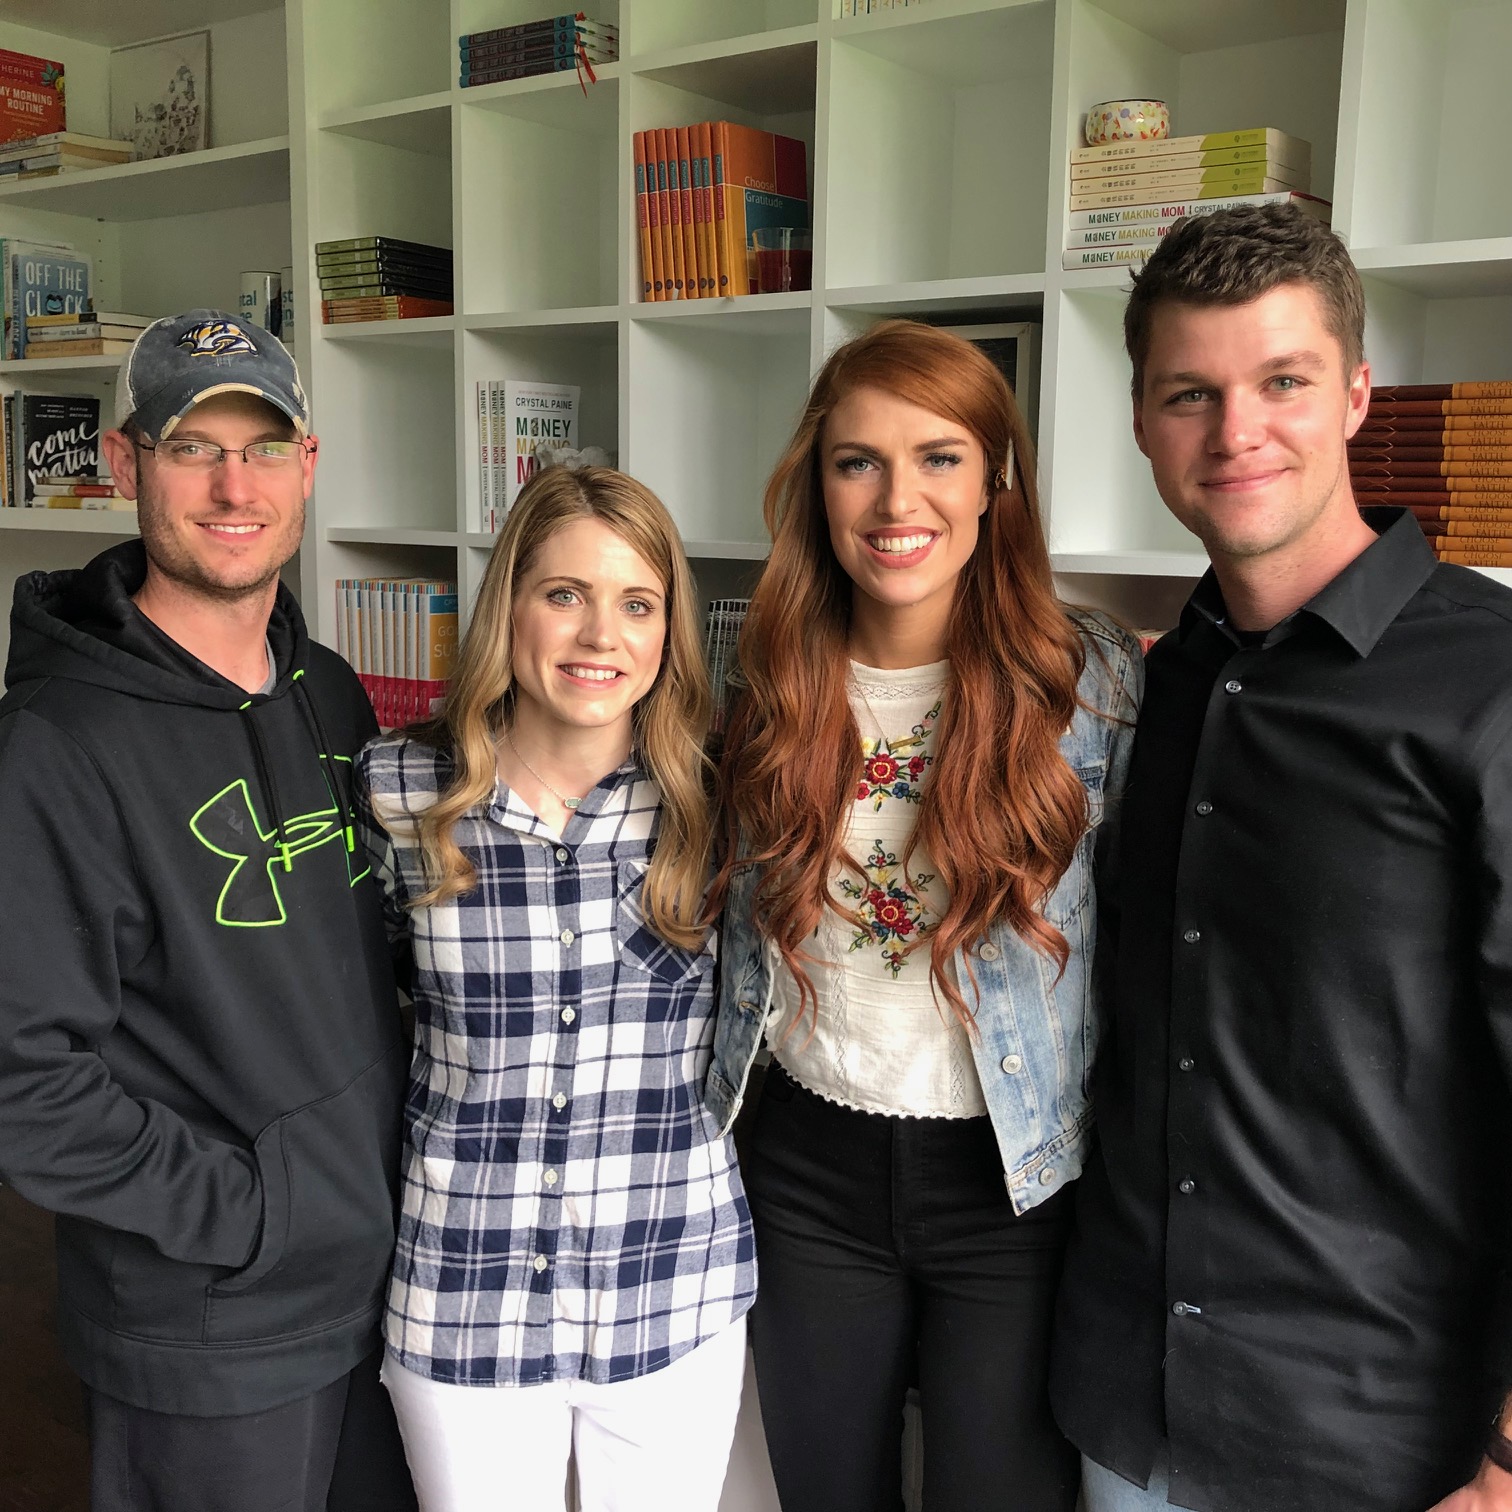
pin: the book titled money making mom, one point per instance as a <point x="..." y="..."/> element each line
<point x="536" y="415"/>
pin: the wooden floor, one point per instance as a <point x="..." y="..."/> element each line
<point x="44" y="1451"/>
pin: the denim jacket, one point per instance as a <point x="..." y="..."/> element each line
<point x="1036" y="1034"/>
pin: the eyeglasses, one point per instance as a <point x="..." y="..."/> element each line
<point x="204" y="456"/>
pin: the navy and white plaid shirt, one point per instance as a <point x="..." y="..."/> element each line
<point x="570" y="1211"/>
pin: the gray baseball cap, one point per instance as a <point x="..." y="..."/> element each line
<point x="180" y="360"/>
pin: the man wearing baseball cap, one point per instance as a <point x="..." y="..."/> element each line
<point x="201" y="1063"/>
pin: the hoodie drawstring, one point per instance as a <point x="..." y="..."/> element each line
<point x="266" y="782"/>
<point x="323" y="746"/>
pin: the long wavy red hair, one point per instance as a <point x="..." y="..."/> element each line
<point x="1003" y="812"/>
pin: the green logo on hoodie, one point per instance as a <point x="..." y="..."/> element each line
<point x="229" y="826"/>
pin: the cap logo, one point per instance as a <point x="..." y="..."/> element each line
<point x="216" y="338"/>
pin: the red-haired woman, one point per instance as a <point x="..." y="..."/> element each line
<point x="916" y="784"/>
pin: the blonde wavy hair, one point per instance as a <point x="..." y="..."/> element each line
<point x="671" y="722"/>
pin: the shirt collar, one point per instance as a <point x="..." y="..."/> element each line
<point x="1362" y="600"/>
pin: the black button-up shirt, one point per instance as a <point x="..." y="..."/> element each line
<point x="1291" y="1243"/>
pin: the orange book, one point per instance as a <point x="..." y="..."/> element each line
<point x="717" y="188"/>
<point x="672" y="221"/>
<point x="643" y="215"/>
<point x="765" y="184"/>
<point x="1478" y="558"/>
<point x="703" y="208"/>
<point x="693" y="283"/>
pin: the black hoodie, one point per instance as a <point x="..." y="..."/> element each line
<point x="201" y="1069"/>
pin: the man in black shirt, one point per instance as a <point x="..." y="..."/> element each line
<point x="1289" y="1283"/>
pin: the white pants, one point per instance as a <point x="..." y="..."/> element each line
<point x="659" y="1443"/>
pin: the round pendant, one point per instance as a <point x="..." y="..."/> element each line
<point x="571" y="802"/>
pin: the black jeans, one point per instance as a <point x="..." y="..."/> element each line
<point x="335" y="1451"/>
<point x="889" y="1252"/>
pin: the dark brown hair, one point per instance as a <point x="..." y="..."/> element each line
<point x="1234" y="256"/>
<point x="1003" y="813"/>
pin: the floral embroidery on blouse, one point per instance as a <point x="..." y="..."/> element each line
<point x="895" y="768"/>
<point x="892" y="913"/>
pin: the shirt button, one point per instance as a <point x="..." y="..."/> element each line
<point x="1047" y="1176"/>
<point x="550" y="1178"/>
<point x="1187" y="1186"/>
<point x="559" y="1101"/>
<point x="561" y="854"/>
<point x="1233" y="687"/>
<point x="1204" y="808"/>
<point x="1192" y="936"/>
<point x="568" y="1014"/>
<point x="1013" y="1064"/>
<point x="1185" y="1063"/>
<point x="989" y="951"/>
<point x="540" y="1262"/>
<point x="567" y="937"/>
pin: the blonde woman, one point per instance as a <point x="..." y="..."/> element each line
<point x="575" y="1256"/>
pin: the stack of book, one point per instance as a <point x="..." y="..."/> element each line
<point x="41" y="279"/>
<point x="382" y="278"/>
<point x="1125" y="196"/>
<point x="59" y="152"/>
<point x="82" y="333"/>
<point x="400" y="637"/>
<point x="536" y="47"/>
<point x="51" y="453"/>
<point x="721" y="644"/>
<point x="871" y="7"/>
<point x="700" y="193"/>
<point x="1444" y="451"/>
<point x="516" y="419"/>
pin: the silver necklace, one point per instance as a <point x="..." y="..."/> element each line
<point x="562" y="798"/>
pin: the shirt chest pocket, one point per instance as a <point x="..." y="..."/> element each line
<point x="640" y="947"/>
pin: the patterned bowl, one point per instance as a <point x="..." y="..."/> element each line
<point x="1127" y="121"/>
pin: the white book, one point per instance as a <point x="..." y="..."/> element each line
<point x="535" y="415"/>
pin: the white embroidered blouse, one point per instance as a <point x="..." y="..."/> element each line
<point x="881" y="1043"/>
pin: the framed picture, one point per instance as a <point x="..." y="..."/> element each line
<point x="1014" y="350"/>
<point x="160" y="95"/>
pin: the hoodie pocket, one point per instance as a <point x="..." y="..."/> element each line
<point x="329" y="1172"/>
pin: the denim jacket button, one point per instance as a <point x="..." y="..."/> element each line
<point x="989" y="951"/>
<point x="1047" y="1176"/>
<point x="1013" y="1064"/>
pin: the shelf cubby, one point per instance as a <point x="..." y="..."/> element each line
<point x="1099" y="497"/>
<point x="585" y="354"/>
<point x="939" y="135"/>
<point x="709" y="411"/>
<point x="1424" y="162"/>
<point x="365" y="52"/>
<point x="388" y="452"/>
<point x="539" y="171"/>
<point x="748" y="24"/>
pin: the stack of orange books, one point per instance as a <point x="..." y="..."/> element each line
<point x="1444" y="451"/>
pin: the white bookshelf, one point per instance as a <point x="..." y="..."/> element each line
<point x="937" y="138"/>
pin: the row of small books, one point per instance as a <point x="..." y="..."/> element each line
<point x="382" y="278"/>
<point x="40" y="279"/>
<point x="721" y="643"/>
<point x="535" y="47"/>
<point x="1126" y="195"/>
<point x="1444" y="451"/>
<point x="50" y="454"/>
<point x="700" y="192"/>
<point x="400" y="637"/>
<point x="517" y="419"/>
<point x="83" y="333"/>
<point x="59" y="152"/>
<point x="871" y="7"/>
